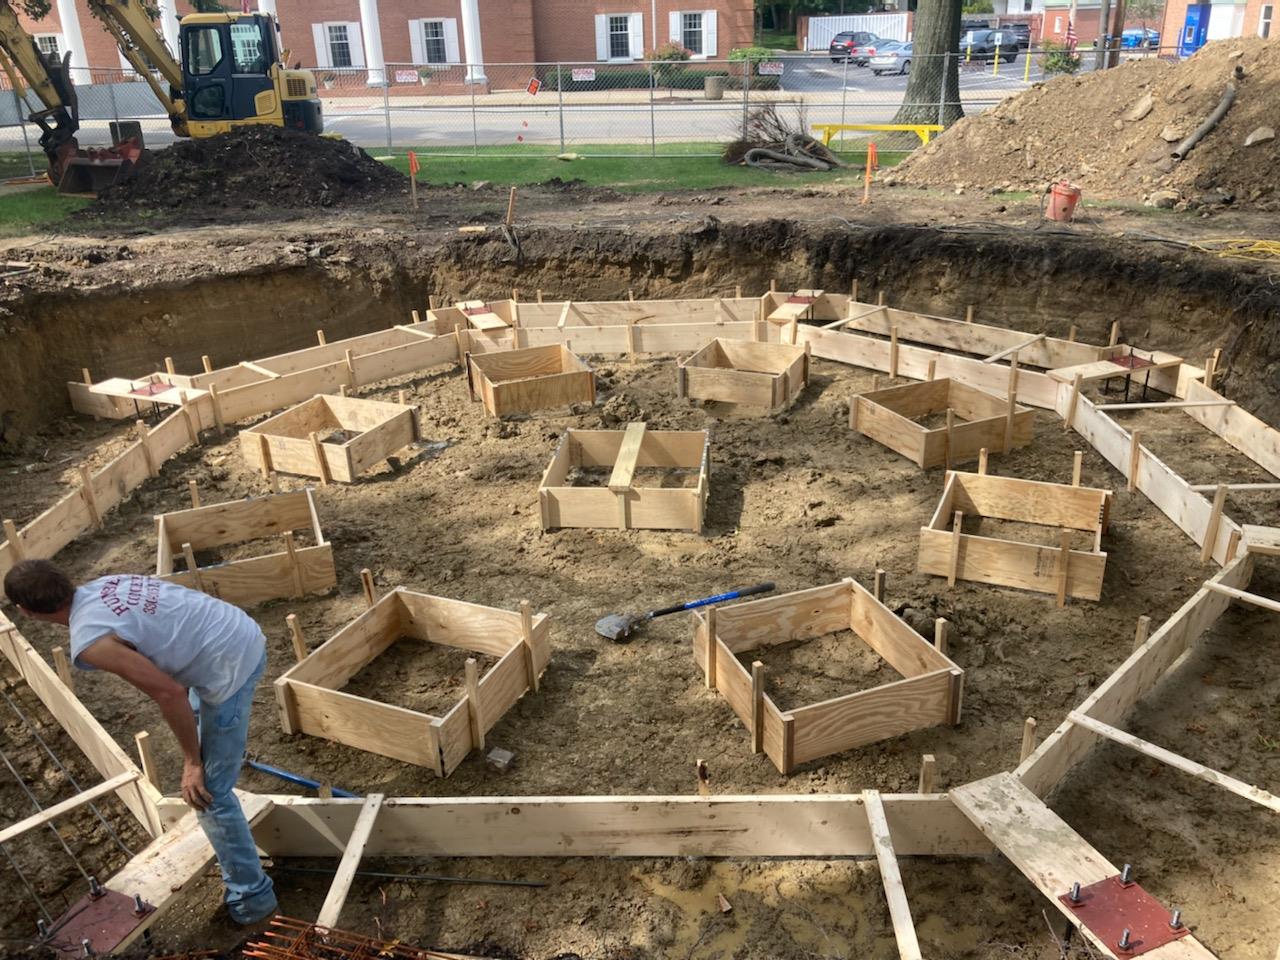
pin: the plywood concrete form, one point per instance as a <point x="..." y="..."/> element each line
<point x="888" y="417"/>
<point x="290" y="571"/>
<point x="768" y="375"/>
<point x="929" y="693"/>
<point x="623" y="504"/>
<point x="947" y="552"/>
<point x="311" y="701"/>
<point x="294" y="441"/>
<point x="520" y="381"/>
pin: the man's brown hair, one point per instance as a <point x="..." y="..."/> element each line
<point x="39" y="586"/>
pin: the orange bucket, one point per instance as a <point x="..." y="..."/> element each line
<point x="1063" y="197"/>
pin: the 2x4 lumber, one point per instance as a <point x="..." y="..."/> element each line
<point x="1243" y="596"/>
<point x="1071" y="404"/>
<point x="296" y="638"/>
<point x="474" y="714"/>
<point x="1028" y="739"/>
<point x="1207" y="487"/>
<point x="527" y="641"/>
<point x="709" y="621"/>
<point x="63" y="665"/>
<point x="1215" y="521"/>
<point x="1255" y="439"/>
<point x="51" y="813"/>
<point x="1166" y="405"/>
<point x="624" y="467"/>
<point x="1015" y="349"/>
<point x="757" y="707"/>
<point x="1048" y="852"/>
<point x="351" y="856"/>
<point x="928" y="770"/>
<point x="90" y="500"/>
<point x="1168" y="757"/>
<point x="904" y="930"/>
<point x="147" y="758"/>
<point x="1140" y="633"/>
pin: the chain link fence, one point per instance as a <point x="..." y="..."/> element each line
<point x="644" y="108"/>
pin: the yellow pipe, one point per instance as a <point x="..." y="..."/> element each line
<point x="1026" y="70"/>
<point x="995" y="64"/>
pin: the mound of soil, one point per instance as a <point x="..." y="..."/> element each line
<point x="1112" y="132"/>
<point x="250" y="168"/>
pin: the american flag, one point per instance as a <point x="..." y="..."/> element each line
<point x="1071" y="38"/>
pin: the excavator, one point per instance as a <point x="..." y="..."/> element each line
<point x="231" y="73"/>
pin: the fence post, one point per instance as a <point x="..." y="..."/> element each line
<point x="844" y="97"/>
<point x="111" y="92"/>
<point x="560" y="92"/>
<point x="653" y="123"/>
<point x="386" y="105"/>
<point x="942" y="87"/>
<point x="746" y="94"/>
<point x="475" y="131"/>
<point x="22" y="125"/>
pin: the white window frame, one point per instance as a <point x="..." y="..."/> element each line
<point x="675" y="31"/>
<point x="59" y="43"/>
<point x="1265" y="22"/>
<point x="418" y="41"/>
<point x="324" y="48"/>
<point x="610" y="33"/>
<point x="605" y="35"/>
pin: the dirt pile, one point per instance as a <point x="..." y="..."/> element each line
<point x="1112" y="133"/>
<point x="252" y="168"/>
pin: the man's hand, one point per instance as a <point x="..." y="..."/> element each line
<point x="193" y="790"/>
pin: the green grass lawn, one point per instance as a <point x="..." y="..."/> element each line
<point x="14" y="163"/>
<point x="28" y="211"/>
<point x="778" y="39"/>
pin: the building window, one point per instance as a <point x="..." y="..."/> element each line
<point x="434" y="48"/>
<point x="620" y="38"/>
<point x="1057" y="25"/>
<point x="339" y="45"/>
<point x="48" y="44"/>
<point x="246" y="48"/>
<point x="1264" y="21"/>
<point x="691" y="33"/>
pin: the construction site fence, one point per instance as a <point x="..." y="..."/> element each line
<point x="646" y="108"/>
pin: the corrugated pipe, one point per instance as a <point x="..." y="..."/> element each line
<point x="1186" y="146"/>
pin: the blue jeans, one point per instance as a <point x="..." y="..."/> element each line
<point x="224" y="730"/>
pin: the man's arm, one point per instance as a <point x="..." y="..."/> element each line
<point x="112" y="655"/>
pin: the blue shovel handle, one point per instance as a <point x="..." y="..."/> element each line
<point x="718" y="598"/>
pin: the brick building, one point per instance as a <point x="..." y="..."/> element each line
<point x="372" y="33"/>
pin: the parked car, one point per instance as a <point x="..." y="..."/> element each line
<point x="891" y="59"/>
<point x="967" y="25"/>
<point x="1020" y="30"/>
<point x="855" y="46"/>
<point x="982" y="45"/>
<point x="1140" y="37"/>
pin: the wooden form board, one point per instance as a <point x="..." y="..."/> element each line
<point x="1132" y="680"/>
<point x="1048" y="852"/>
<point x="289" y="572"/>
<point x="946" y="552"/>
<point x="533" y="378"/>
<point x="768" y="375"/>
<point x="888" y="417"/>
<point x="812" y="825"/>
<point x="1108" y="369"/>
<point x="283" y="443"/>
<point x="98" y="747"/>
<point x="929" y="693"/>
<point x="629" y="506"/>
<point x="311" y="701"/>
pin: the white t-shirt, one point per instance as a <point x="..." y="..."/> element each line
<point x="204" y="643"/>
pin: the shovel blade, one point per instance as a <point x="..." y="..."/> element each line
<point x="616" y="627"/>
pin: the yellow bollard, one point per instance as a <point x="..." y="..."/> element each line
<point x="995" y="64"/>
<point x="968" y="53"/>
<point x="1026" y="68"/>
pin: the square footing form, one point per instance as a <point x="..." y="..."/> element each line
<point x="295" y="441"/>
<point x="929" y="693"/>
<point x="977" y="420"/>
<point x="946" y="551"/>
<point x="311" y="701"/>
<point x="624" y="504"/>
<point x="291" y="571"/>
<point x="769" y="375"/>
<point x="510" y="382"/>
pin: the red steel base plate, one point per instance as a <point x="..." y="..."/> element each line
<point x="104" y="922"/>
<point x="1107" y="908"/>
<point x="1132" y="362"/>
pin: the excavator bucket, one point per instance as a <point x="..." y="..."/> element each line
<point x="89" y="172"/>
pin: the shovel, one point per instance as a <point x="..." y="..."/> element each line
<point x="618" y="626"/>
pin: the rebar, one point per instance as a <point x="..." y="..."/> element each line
<point x="127" y="850"/>
<point x="26" y="883"/>
<point x="290" y="939"/>
<point x="39" y="809"/>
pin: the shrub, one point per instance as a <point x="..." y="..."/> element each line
<point x="668" y="63"/>
<point x="1059" y="59"/>
<point x="752" y="54"/>
<point x="690" y="78"/>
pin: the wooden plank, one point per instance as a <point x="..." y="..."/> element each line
<point x="420" y="354"/>
<point x="1008" y="563"/>
<point x="1198" y="770"/>
<point x="1030" y="501"/>
<point x="647" y="508"/>
<point x="353" y="647"/>
<point x="501" y="686"/>
<point x="1251" y="436"/>
<point x="893" y="640"/>
<point x="783" y="825"/>
<point x="799" y="615"/>
<point x="380" y="441"/>
<point x="380" y="728"/>
<point x="48" y="814"/>
<point x="457" y="623"/>
<point x="1047" y="851"/>
<point x="1250" y="598"/>
<point x="254" y="580"/>
<point x="352" y="854"/>
<point x="219" y="524"/>
<point x="624" y="467"/>
<point x="904" y="930"/>
<point x="730" y="386"/>
<point x="255" y="399"/>
<point x="1262" y="541"/>
<point x="892" y="430"/>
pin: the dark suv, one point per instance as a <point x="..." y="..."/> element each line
<point x="856" y="46"/>
<point x="1020" y="30"/>
<point x="983" y="44"/>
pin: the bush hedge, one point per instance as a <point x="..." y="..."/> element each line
<point x="673" y="79"/>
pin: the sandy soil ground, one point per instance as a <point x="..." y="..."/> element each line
<point x="796" y="499"/>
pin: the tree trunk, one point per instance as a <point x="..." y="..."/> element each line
<point x="935" y="77"/>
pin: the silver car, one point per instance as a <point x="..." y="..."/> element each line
<point x="891" y="59"/>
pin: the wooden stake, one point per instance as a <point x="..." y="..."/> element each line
<point x="473" y="703"/>
<point x="951" y="424"/>
<point x="940" y="629"/>
<point x="63" y="666"/>
<point x="879" y="585"/>
<point x="880" y="299"/>
<point x="712" y="648"/>
<point x="320" y="338"/>
<point x="982" y="461"/>
<point x="955" y="548"/>
<point x="194" y="490"/>
<point x="206" y="363"/>
<point x="217" y="410"/>
<point x="169" y="368"/>
<point x="757" y="707"/>
<point x="295" y="635"/>
<point x="317" y="449"/>
<point x="1215" y="521"/>
<point x="511" y="208"/>
<point x="927" y="768"/>
<point x="933" y="369"/>
<point x="788" y="743"/>
<point x="140" y="430"/>
<point x="1210" y="369"/>
<point x="968" y="314"/>
<point x="15" y="540"/>
<point x="146" y="758"/>
<point x="1071" y="404"/>
<point x="1077" y="465"/>
<point x="526" y="637"/>
<point x="853" y="290"/>
<point x="893" y="350"/>
<point x="188" y="417"/>
<point x="1013" y="403"/>
<point x="703" y="778"/>
<point x="1141" y="632"/>
<point x="1115" y="334"/>
<point x="84" y="375"/>
<point x="294" y="568"/>
<point x="90" y="499"/>
<point x="1233" y="545"/>
<point x="1064" y="563"/>
<point x="1135" y="454"/>
<point x="853" y="412"/>
<point x="189" y="556"/>
<point x="773" y="284"/>
<point x="539" y="293"/>
<point x="1028" y="739"/>
<point x="737" y="291"/>
<point x="366" y="581"/>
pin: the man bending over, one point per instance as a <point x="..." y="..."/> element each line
<point x="199" y="659"/>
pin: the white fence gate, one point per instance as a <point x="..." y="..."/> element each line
<point x="891" y="26"/>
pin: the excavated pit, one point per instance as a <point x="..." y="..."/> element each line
<point x="796" y="499"/>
